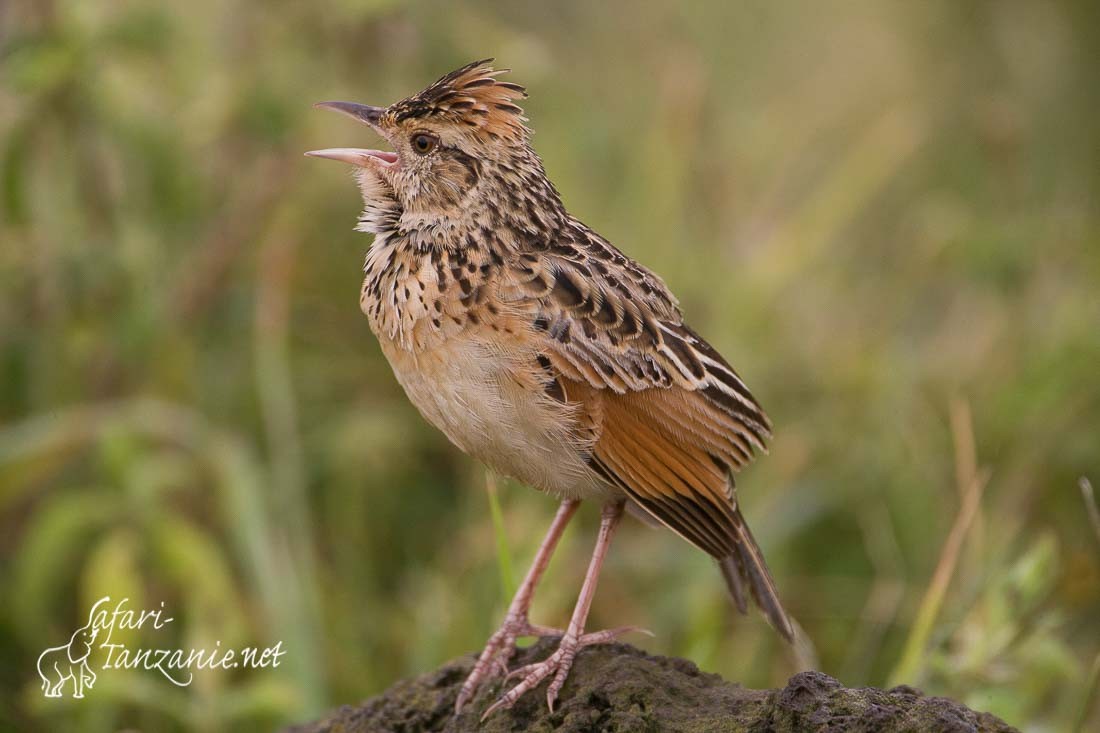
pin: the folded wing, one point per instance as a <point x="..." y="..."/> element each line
<point x="674" y="419"/>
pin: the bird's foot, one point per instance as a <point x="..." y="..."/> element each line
<point x="498" y="650"/>
<point x="557" y="664"/>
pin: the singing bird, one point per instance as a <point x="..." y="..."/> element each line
<point x="540" y="349"/>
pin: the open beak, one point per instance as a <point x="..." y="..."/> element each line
<point x="362" y="112"/>
<point x="360" y="157"/>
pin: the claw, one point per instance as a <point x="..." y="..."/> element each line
<point x="498" y="705"/>
<point x="602" y="637"/>
<point x="538" y="672"/>
<point x="518" y="672"/>
<point x="559" y="681"/>
<point x="498" y="652"/>
<point x="557" y="664"/>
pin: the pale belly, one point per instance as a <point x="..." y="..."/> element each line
<point x="478" y="399"/>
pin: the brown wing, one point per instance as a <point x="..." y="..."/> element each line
<point x="675" y="419"/>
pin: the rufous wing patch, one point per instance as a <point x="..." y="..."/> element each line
<point x="667" y="469"/>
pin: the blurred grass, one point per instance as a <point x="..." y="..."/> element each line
<point x="878" y="211"/>
<point x="500" y="531"/>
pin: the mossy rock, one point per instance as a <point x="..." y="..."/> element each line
<point x="617" y="688"/>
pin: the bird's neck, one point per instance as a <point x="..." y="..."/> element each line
<point x="514" y="209"/>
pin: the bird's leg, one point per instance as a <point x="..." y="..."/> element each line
<point x="501" y="645"/>
<point x="559" y="663"/>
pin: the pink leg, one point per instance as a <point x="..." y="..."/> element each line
<point x="501" y="645"/>
<point x="574" y="639"/>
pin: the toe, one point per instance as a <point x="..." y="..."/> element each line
<point x="556" y="684"/>
<point x="541" y="631"/>
<point x="557" y="664"/>
<point x="602" y="637"/>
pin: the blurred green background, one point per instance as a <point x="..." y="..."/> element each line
<point x="887" y="215"/>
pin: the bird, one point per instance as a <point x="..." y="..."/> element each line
<point x="539" y="348"/>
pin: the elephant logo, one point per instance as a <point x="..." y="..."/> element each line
<point x="57" y="665"/>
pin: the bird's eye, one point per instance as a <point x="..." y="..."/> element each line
<point x="424" y="143"/>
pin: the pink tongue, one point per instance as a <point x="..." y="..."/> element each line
<point x="385" y="155"/>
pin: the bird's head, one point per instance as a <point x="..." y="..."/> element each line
<point x="454" y="145"/>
